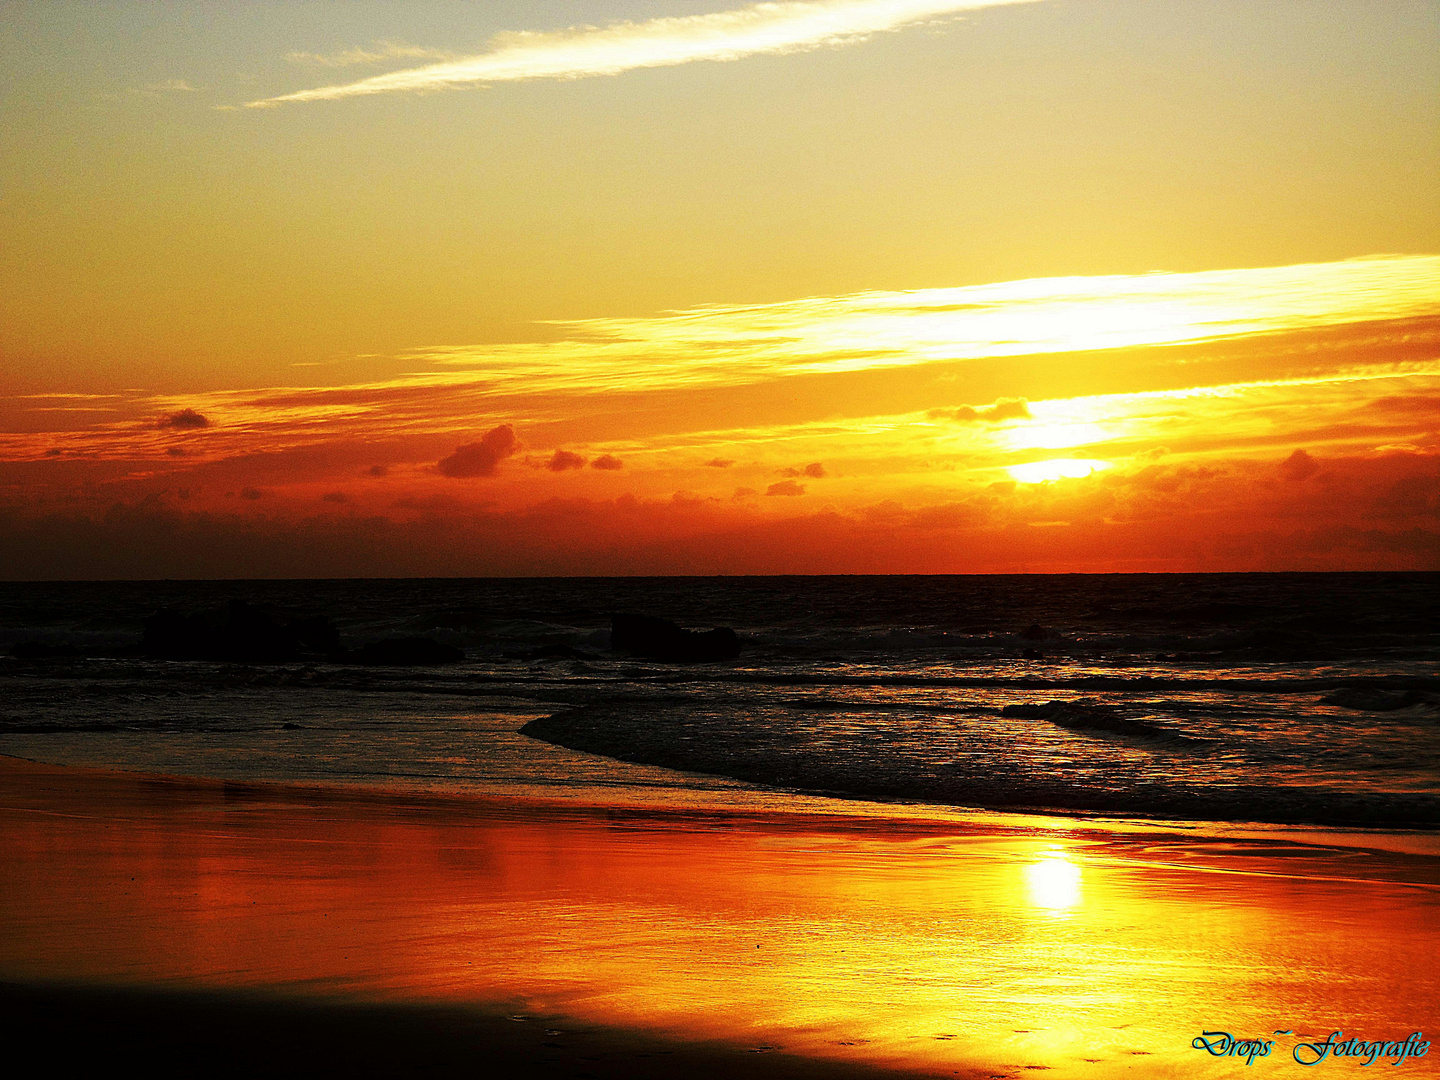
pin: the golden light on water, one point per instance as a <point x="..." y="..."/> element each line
<point x="1053" y="882"/>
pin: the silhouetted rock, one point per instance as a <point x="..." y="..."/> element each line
<point x="1081" y="715"/>
<point x="659" y="639"/>
<point x="169" y="635"/>
<point x="241" y="633"/>
<point x="315" y="634"/>
<point x="1367" y="699"/>
<point x="244" y="633"/>
<point x="44" y="650"/>
<point x="1031" y="654"/>
<point x="406" y="652"/>
<point x="1035" y="632"/>
<point x="460" y="618"/>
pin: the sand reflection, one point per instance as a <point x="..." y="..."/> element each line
<point x="934" y="947"/>
<point x="1053" y="881"/>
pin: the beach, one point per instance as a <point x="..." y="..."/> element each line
<point x="673" y="539"/>
<point x="556" y="938"/>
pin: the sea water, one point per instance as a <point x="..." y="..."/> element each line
<point x="1308" y="699"/>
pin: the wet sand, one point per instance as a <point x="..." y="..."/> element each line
<point x="89" y="1030"/>
<point x="203" y="926"/>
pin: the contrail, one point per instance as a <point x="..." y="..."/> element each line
<point x="585" y="51"/>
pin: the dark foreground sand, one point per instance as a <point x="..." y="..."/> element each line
<point x="207" y="928"/>
<point x="93" y="1031"/>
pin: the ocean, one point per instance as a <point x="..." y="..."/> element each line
<point x="1282" y="699"/>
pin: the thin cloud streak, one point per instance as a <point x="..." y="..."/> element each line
<point x="867" y="331"/>
<point x="582" y="52"/>
<point x="382" y="52"/>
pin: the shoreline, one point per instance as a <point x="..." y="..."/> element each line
<point x="804" y="809"/>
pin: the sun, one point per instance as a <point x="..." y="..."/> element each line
<point x="1040" y="472"/>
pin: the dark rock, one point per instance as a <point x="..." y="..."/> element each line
<point x="315" y="634"/>
<point x="169" y="635"/>
<point x="240" y="633"/>
<point x="460" y="618"/>
<point x="44" y="650"/>
<point x="1368" y="699"/>
<point x="659" y="639"/>
<point x="1032" y="654"/>
<point x="1086" y="716"/>
<point x="406" y="652"/>
<point x="1035" y="632"/>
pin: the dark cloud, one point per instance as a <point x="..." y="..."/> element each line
<point x="1167" y="479"/>
<point x="607" y="461"/>
<point x="564" y="459"/>
<point x="250" y="493"/>
<point x="335" y="497"/>
<point x="745" y="493"/>
<point x="1416" y="495"/>
<point x="377" y="470"/>
<point x="1422" y="544"/>
<point x="815" y="469"/>
<point x="719" y="463"/>
<point x="185" y="418"/>
<point x="481" y="458"/>
<point x="176" y="451"/>
<point x="1238" y="524"/>
<point x="1299" y="466"/>
<point x="785" y="487"/>
<point x="1003" y="409"/>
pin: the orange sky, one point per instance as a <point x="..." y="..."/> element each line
<point x="834" y="286"/>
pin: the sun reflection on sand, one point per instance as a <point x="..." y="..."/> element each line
<point x="1054" y="882"/>
<point x="938" y="948"/>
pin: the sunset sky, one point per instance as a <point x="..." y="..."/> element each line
<point x="691" y="286"/>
